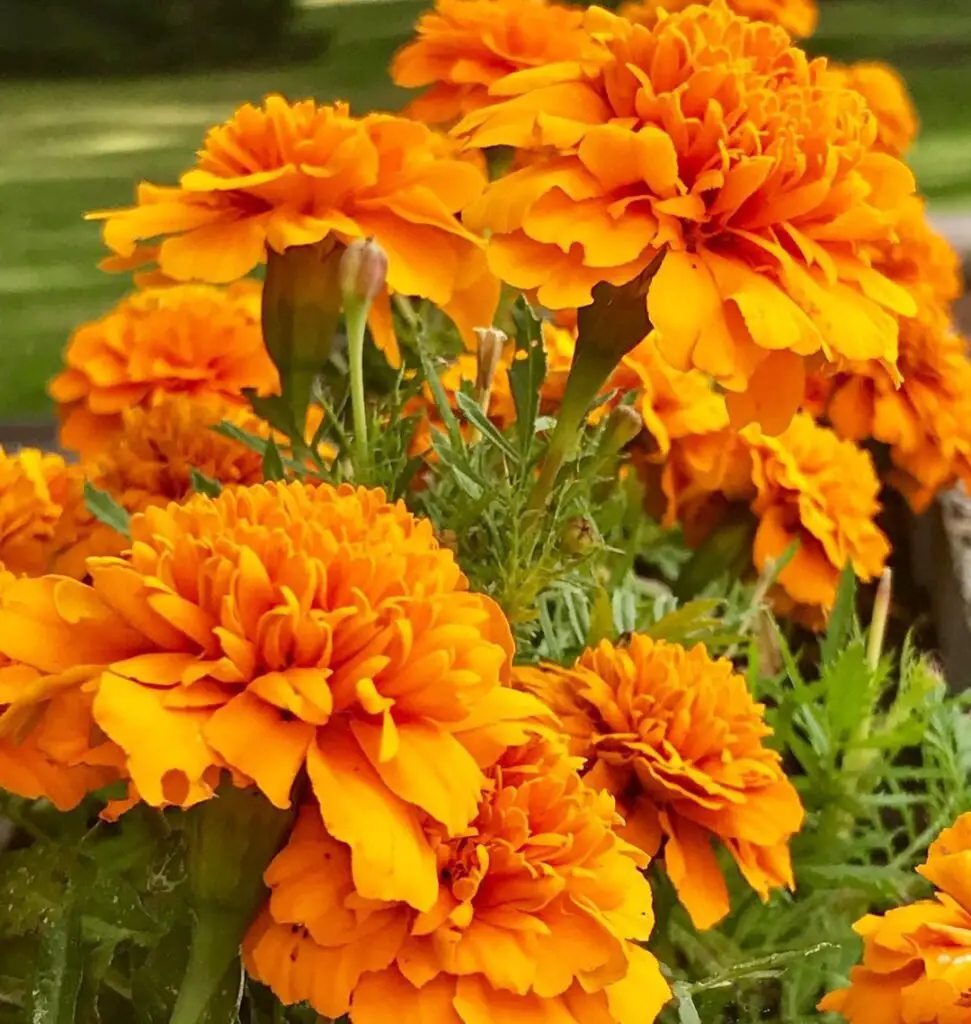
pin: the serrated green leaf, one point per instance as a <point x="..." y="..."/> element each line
<point x="60" y="966"/>
<point x="841" y="618"/>
<point x="244" y="437"/>
<point x="106" y="510"/>
<point x="203" y="484"/>
<point x="482" y="423"/>
<point x="276" y="410"/>
<point x="688" y="620"/>
<point x="601" y="619"/>
<point x="272" y="463"/>
<point x="527" y="373"/>
<point x="434" y="382"/>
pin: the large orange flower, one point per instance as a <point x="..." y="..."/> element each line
<point x="798" y="17"/>
<point x="886" y="95"/>
<point x="190" y="339"/>
<point x="537" y="903"/>
<point x="464" y="46"/>
<point x="677" y="738"/>
<point x="712" y="140"/>
<point x="35" y="489"/>
<point x="285" y="628"/>
<point x="822" y="492"/>
<point x="917" y="959"/>
<point x="284" y="175"/>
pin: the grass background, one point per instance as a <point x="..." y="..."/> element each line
<point x="67" y="147"/>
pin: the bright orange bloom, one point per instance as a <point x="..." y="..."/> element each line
<point x="886" y="95"/>
<point x="285" y="628"/>
<point x="821" y="491"/>
<point x="713" y="140"/>
<point x="537" y="902"/>
<point x="35" y="488"/>
<point x="285" y="175"/>
<point x="797" y="17"/>
<point x="190" y="339"/>
<point x="149" y="462"/>
<point x="464" y="46"/>
<point x="677" y="738"/>
<point x="917" y="959"/>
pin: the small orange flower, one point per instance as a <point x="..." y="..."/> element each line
<point x="816" y="489"/>
<point x="797" y="17"/>
<point x="288" y="628"/>
<point x="35" y="488"/>
<point x="677" y="738"/>
<point x="190" y="339"/>
<point x="886" y="95"/>
<point x="917" y="959"/>
<point x="288" y="175"/>
<point x="714" y="141"/>
<point x="538" y="901"/>
<point x="464" y="46"/>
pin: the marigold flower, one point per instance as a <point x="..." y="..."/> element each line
<point x="189" y="339"/>
<point x="284" y="628"/>
<point x="713" y="140"/>
<point x="677" y="738"/>
<point x="917" y="958"/>
<point x="537" y="903"/>
<point x="34" y="489"/>
<point x="464" y="46"/>
<point x="886" y="95"/>
<point x="797" y="17"/>
<point x="287" y="175"/>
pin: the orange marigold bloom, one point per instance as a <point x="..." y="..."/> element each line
<point x="677" y="738"/>
<point x="464" y="46"/>
<point x="886" y="95"/>
<point x="35" y="488"/>
<point x="917" y="959"/>
<point x="190" y="339"/>
<point x="709" y="138"/>
<point x="537" y="902"/>
<point x="284" y="175"/>
<point x="797" y="17"/>
<point x="814" y="488"/>
<point x="284" y="628"/>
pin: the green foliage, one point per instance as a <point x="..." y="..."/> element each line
<point x="106" y="510"/>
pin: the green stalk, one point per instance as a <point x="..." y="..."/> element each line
<point x="355" y="319"/>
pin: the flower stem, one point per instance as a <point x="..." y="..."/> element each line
<point x="355" y="317"/>
<point x="215" y="947"/>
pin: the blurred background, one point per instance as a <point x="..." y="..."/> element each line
<point x="96" y="95"/>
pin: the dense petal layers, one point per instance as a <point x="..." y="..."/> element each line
<point x="189" y="339"/>
<point x="464" y="46"/>
<point x="287" y="175"/>
<point x="887" y="97"/>
<point x="713" y="141"/>
<point x="537" y="905"/>
<point x="797" y="17"/>
<point x="282" y="629"/>
<point x="678" y="739"/>
<point x="916" y="965"/>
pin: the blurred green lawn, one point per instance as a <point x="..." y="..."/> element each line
<point x="67" y="147"/>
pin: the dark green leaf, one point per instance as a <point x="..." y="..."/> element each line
<point x="106" y="510"/>
<point x="272" y="463"/>
<point x="203" y="484"/>
<point x="448" y="456"/>
<point x="251" y="441"/>
<point x="527" y="373"/>
<point x="841" y="618"/>
<point x="441" y="399"/>
<point x="276" y="411"/>
<point x="474" y="414"/>
<point x="60" y="967"/>
<point x="155" y="982"/>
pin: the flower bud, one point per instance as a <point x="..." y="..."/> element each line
<point x="578" y="536"/>
<point x="363" y="271"/>
<point x="492" y="341"/>
<point x="623" y="425"/>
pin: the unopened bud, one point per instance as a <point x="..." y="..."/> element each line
<point x="577" y="536"/>
<point x="449" y="539"/>
<point x="363" y="271"/>
<point x="623" y="425"/>
<point x="492" y="342"/>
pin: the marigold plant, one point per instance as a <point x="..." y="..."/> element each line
<point x="798" y="17"/>
<point x="917" y="958"/>
<point x="190" y="339"/>
<point x="714" y="143"/>
<point x="676" y="736"/>
<point x="283" y="176"/>
<point x="464" y="46"/>
<point x="539" y="909"/>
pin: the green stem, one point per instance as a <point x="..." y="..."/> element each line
<point x="215" y="946"/>
<point x="355" y="317"/>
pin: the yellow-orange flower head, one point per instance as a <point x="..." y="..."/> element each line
<point x="886" y="95"/>
<point x="284" y="175"/>
<point x="537" y="903"/>
<point x="464" y="46"/>
<point x="814" y="488"/>
<point x="188" y="339"/>
<point x="714" y="141"/>
<point x="917" y="958"/>
<point x="288" y="628"/>
<point x="678" y="739"/>
<point x="797" y="17"/>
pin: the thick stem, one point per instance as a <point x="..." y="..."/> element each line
<point x="355" y="318"/>
<point x="215" y="946"/>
